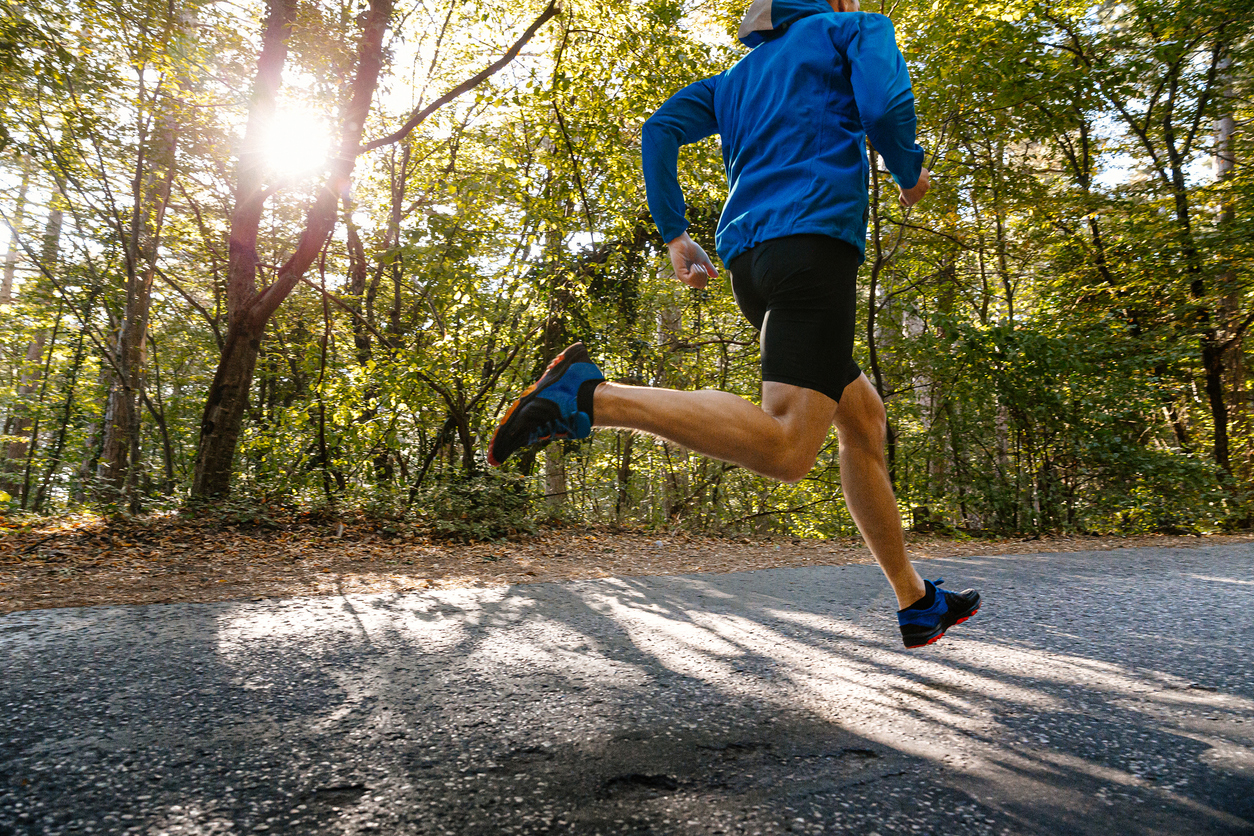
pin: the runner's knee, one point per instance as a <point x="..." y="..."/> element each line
<point x="861" y="418"/>
<point x="793" y="466"/>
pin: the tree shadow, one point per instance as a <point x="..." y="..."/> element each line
<point x="698" y="704"/>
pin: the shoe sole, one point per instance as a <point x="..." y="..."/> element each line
<point x="942" y="633"/>
<point x="527" y="394"/>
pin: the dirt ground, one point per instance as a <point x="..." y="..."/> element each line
<point x="88" y="561"/>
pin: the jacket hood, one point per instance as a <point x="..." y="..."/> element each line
<point x="768" y="18"/>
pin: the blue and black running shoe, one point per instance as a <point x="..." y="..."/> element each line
<point x="924" y="626"/>
<point x="549" y="408"/>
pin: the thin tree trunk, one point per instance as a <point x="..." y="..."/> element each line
<point x="357" y="271"/>
<point x="85" y="475"/>
<point x="19" y="429"/>
<point x="29" y="384"/>
<point x="877" y="264"/>
<point x="999" y="217"/>
<point x="1213" y="350"/>
<point x="43" y="393"/>
<point x="626" y="441"/>
<point x="157" y="410"/>
<point x="554" y="476"/>
<point x="669" y="338"/>
<point x="1213" y="345"/>
<point x="67" y="411"/>
<point x="19" y="214"/>
<point x="1231" y="335"/>
<point x="118" y="469"/>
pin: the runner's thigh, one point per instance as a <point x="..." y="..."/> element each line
<point x="801" y="292"/>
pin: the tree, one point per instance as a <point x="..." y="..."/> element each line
<point x="1160" y="67"/>
<point x="250" y="308"/>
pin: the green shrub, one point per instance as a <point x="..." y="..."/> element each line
<point x="483" y="506"/>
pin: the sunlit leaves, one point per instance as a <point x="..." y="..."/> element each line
<point x="1035" y="318"/>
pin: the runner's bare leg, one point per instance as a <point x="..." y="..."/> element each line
<point x="861" y="431"/>
<point x="780" y="439"/>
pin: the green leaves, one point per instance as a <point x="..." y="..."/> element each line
<point x="1035" y="319"/>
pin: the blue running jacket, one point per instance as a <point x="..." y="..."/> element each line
<point x="792" y="115"/>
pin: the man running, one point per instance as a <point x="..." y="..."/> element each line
<point x="793" y="116"/>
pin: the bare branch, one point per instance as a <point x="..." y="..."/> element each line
<point x="553" y="9"/>
<point x="328" y="295"/>
<point x="217" y="335"/>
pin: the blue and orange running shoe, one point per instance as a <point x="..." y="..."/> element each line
<point x="549" y="408"/>
<point x="924" y="626"/>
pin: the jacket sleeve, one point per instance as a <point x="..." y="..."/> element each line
<point x="686" y="117"/>
<point x="881" y="88"/>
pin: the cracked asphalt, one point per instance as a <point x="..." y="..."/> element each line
<point x="1094" y="693"/>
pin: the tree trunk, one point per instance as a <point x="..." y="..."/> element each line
<point x="223" y="417"/>
<point x="157" y="410"/>
<point x="1230" y="339"/>
<point x="999" y="217"/>
<point x="250" y="310"/>
<point x="15" y="451"/>
<point x="118" y="469"/>
<point x="669" y="338"/>
<point x="1213" y="364"/>
<point x="1212" y="342"/>
<point x="554" y="476"/>
<point x="67" y="410"/>
<point x="33" y="445"/>
<point x="85" y="473"/>
<point x="117" y="473"/>
<point x="19" y="214"/>
<point x="29" y="384"/>
<point x="877" y="264"/>
<point x="623" y="472"/>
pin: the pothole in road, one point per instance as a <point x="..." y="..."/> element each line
<point x="640" y="782"/>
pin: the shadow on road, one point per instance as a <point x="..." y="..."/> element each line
<point x="760" y="703"/>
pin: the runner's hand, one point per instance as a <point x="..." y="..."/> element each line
<point x="909" y="197"/>
<point x="692" y="266"/>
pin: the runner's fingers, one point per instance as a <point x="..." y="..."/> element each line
<point x="696" y="275"/>
<point x="703" y="261"/>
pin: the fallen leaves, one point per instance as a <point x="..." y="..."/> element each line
<point x="84" y="560"/>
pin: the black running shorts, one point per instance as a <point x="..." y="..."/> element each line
<point x="800" y="291"/>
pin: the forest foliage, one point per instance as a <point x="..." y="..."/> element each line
<point x="1058" y="330"/>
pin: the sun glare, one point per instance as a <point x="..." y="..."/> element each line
<point x="297" y="144"/>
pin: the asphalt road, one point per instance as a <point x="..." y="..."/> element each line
<point x="1094" y="693"/>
